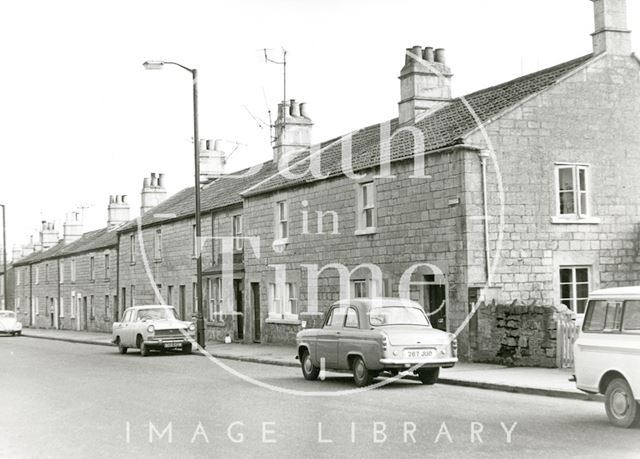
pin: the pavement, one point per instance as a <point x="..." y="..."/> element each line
<point x="550" y="382"/>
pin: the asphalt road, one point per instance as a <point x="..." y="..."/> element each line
<point x="72" y="400"/>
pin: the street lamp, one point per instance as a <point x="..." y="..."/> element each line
<point x="159" y="65"/>
<point x="4" y="257"/>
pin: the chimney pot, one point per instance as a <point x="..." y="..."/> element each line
<point x="160" y="180"/>
<point x="417" y="53"/>
<point x="428" y="54"/>
<point x="294" y="110"/>
<point x="153" y="179"/>
<point x="439" y="56"/>
<point x="217" y="146"/>
<point x="124" y="199"/>
<point x="303" y="110"/>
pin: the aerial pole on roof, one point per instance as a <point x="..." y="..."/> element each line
<point x="283" y="62"/>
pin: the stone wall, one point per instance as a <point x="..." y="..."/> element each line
<point x="591" y="118"/>
<point x="516" y="335"/>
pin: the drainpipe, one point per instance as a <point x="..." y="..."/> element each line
<point x="116" y="311"/>
<point x="59" y="305"/>
<point x="484" y="154"/>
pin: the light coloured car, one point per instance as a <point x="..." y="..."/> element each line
<point x="154" y="327"/>
<point x="9" y="323"/>
<point x="607" y="352"/>
<point x="371" y="336"/>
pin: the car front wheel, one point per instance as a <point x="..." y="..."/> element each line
<point x="361" y="374"/>
<point x="621" y="407"/>
<point x="428" y="376"/>
<point x="186" y="348"/>
<point x="309" y="370"/>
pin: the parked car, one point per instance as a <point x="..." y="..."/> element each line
<point x="607" y="352"/>
<point x="371" y="336"/>
<point x="9" y="323"/>
<point x="154" y="327"/>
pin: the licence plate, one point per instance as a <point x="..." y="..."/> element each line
<point x="419" y="353"/>
<point x="172" y="344"/>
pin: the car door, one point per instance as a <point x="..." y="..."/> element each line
<point x="126" y="329"/>
<point x="350" y="340"/>
<point x="327" y="337"/>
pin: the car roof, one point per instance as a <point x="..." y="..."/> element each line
<point x="616" y="292"/>
<point x="379" y="302"/>
<point x="150" y="306"/>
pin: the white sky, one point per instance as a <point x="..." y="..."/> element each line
<point x="81" y="119"/>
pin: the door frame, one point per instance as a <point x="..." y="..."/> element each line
<point x="257" y="311"/>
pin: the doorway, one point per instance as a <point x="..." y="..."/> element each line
<point x="255" y="304"/>
<point x="435" y="304"/>
<point x="238" y="290"/>
<point x="85" y="322"/>
<point x="182" y="300"/>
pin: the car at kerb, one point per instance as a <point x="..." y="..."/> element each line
<point x="9" y="323"/>
<point x="153" y="327"/>
<point x="607" y="352"/>
<point x="375" y="335"/>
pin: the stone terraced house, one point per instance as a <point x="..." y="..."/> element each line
<point x="525" y="191"/>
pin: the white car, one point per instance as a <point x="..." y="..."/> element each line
<point x="9" y="323"/>
<point x="607" y="352"/>
<point x="154" y="327"/>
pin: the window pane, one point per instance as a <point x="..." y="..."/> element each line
<point x="565" y="291"/>
<point x="631" y="315"/>
<point x="566" y="276"/>
<point x="582" y="174"/>
<point x="368" y="217"/>
<point x="565" y="178"/>
<point x="365" y="196"/>
<point x="581" y="306"/>
<point x="582" y="275"/>
<point x="594" y="320"/>
<point x="352" y="319"/>
<point x="583" y="204"/>
<point x="612" y="319"/>
<point x="567" y="204"/>
<point x="582" y="291"/>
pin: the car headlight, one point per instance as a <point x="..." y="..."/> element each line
<point x="151" y="328"/>
<point x="192" y="327"/>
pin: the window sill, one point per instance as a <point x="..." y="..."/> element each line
<point x="282" y="242"/>
<point x="575" y="221"/>
<point x="366" y="231"/>
<point x="281" y="321"/>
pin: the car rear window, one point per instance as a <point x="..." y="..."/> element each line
<point x="631" y="321"/>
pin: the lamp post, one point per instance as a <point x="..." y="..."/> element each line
<point x="4" y="258"/>
<point x="158" y="65"/>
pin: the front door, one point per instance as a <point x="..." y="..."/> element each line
<point x="255" y="298"/>
<point x="238" y="291"/>
<point x="182" y="300"/>
<point x="436" y="305"/>
<point x="85" y="316"/>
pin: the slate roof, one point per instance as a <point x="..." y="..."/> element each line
<point x="92" y="240"/>
<point x="442" y="128"/>
<point x="222" y="192"/>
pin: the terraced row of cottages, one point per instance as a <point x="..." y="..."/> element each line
<point x="528" y="190"/>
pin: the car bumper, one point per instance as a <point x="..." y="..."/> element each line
<point x="168" y="343"/>
<point x="407" y="363"/>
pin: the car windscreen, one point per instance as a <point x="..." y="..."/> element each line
<point x="397" y="315"/>
<point x="156" y="314"/>
<point x="7" y="315"/>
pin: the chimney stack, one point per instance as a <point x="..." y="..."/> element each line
<point x="611" y="34"/>
<point x="425" y="82"/>
<point x="212" y="160"/>
<point x="153" y="193"/>
<point x="117" y="211"/>
<point x="72" y="228"/>
<point x="48" y="235"/>
<point x="292" y="130"/>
